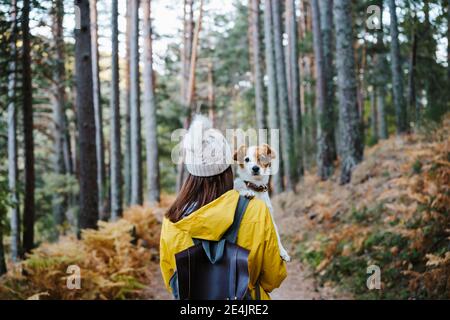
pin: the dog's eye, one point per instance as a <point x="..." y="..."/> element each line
<point x="247" y="159"/>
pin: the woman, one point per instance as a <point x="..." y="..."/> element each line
<point x="205" y="208"/>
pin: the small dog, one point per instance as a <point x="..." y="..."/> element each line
<point x="254" y="169"/>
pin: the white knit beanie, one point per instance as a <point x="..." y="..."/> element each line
<point x="207" y="152"/>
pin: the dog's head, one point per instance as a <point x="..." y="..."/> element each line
<point x="254" y="163"/>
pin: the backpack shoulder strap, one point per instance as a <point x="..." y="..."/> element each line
<point x="231" y="234"/>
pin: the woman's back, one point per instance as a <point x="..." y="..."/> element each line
<point x="210" y="222"/>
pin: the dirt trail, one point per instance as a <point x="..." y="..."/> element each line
<point x="301" y="285"/>
<point x="297" y="286"/>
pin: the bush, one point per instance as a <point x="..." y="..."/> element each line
<point x="111" y="265"/>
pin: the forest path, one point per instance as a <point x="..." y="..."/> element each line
<point x="300" y="284"/>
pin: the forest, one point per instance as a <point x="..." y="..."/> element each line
<point x="92" y="91"/>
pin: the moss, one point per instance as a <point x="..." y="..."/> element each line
<point x="417" y="167"/>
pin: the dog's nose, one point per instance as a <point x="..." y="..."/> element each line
<point x="255" y="169"/>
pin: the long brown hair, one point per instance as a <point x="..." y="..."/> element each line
<point x="199" y="191"/>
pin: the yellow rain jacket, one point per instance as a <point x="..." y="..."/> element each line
<point x="256" y="234"/>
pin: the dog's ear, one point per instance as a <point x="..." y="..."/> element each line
<point x="239" y="155"/>
<point x="269" y="151"/>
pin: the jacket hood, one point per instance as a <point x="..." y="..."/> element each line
<point x="211" y="221"/>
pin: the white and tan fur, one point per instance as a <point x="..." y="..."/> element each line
<point x="253" y="172"/>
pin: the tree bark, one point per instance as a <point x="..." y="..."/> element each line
<point x="193" y="63"/>
<point x="135" y="112"/>
<point x="272" y="84"/>
<point x="190" y="90"/>
<point x="325" y="124"/>
<point x="12" y="140"/>
<point x="381" y="113"/>
<point x="352" y="147"/>
<point x="257" y="69"/>
<point x="326" y="27"/>
<point x="3" y="269"/>
<point x="27" y="101"/>
<point x="115" y="151"/>
<point x="295" y="87"/>
<point x="285" y="123"/>
<point x="448" y="44"/>
<point x="397" y="78"/>
<point x="153" y="187"/>
<point x="412" y="101"/>
<point x="380" y="80"/>
<point x="88" y="212"/>
<point x="99" y="141"/>
<point x="188" y="35"/>
<point x="58" y="101"/>
<point x="127" y="155"/>
<point x="373" y="114"/>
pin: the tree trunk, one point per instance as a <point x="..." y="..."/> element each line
<point x="448" y="44"/>
<point x="381" y="113"/>
<point x="326" y="27"/>
<point x="193" y="63"/>
<point x="100" y="150"/>
<point x="12" y="140"/>
<point x="188" y="35"/>
<point x="127" y="155"/>
<point x="373" y="114"/>
<point x="153" y="188"/>
<point x="272" y="85"/>
<point x="257" y="70"/>
<point x="3" y="269"/>
<point x="295" y="87"/>
<point x="380" y="80"/>
<point x="135" y="112"/>
<point x="88" y="212"/>
<point x="412" y="101"/>
<point x="115" y="151"/>
<point x="29" y="205"/>
<point x="352" y="147"/>
<point x="305" y="92"/>
<point x="397" y="78"/>
<point x="325" y="127"/>
<point x="58" y="101"/>
<point x="285" y="123"/>
<point x="190" y="90"/>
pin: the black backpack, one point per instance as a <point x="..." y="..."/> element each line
<point x="214" y="270"/>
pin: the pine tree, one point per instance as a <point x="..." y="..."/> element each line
<point x="135" y="108"/>
<point x="27" y="112"/>
<point x="285" y="120"/>
<point x="397" y="78"/>
<point x="115" y="161"/>
<point x="153" y="188"/>
<point x="350" y="130"/>
<point x="88" y="213"/>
